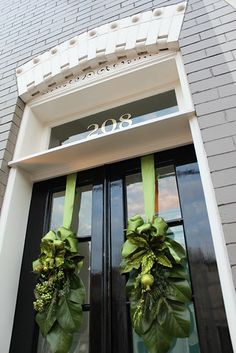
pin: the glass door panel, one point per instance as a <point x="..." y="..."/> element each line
<point x="168" y="199"/>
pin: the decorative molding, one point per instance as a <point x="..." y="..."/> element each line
<point x="145" y="33"/>
<point x="102" y="70"/>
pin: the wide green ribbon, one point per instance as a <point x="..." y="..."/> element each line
<point x="69" y="200"/>
<point x="148" y="178"/>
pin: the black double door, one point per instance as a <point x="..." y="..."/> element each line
<point x="106" y="197"/>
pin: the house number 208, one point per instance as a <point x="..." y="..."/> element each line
<point x="124" y="121"/>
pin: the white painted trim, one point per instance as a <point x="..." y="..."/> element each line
<point x="148" y="32"/>
<point x="232" y="3"/>
<point x="222" y="259"/>
<point x="165" y="132"/>
<point x="14" y="218"/>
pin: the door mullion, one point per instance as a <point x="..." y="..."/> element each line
<point x="121" y="342"/>
<point x="97" y="269"/>
<point x="107" y="265"/>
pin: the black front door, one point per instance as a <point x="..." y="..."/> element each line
<point x="106" y="197"/>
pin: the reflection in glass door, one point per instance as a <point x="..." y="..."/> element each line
<point x="106" y="197"/>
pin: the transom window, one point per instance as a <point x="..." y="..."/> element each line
<point x="119" y="118"/>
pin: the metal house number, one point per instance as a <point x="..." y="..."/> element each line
<point x="124" y="121"/>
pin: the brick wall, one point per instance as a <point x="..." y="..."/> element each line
<point x="208" y="45"/>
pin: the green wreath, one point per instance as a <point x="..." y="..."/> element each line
<point x="59" y="292"/>
<point x="158" y="287"/>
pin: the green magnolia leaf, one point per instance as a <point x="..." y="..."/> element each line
<point x="46" y="319"/>
<point x="132" y="262"/>
<point x="156" y="339"/>
<point x="76" y="258"/>
<point x="179" y="291"/>
<point x="141" y="315"/>
<point x="177" y="321"/>
<point x="163" y="260"/>
<point x="137" y="315"/>
<point x="130" y="286"/>
<point x="147" y="262"/>
<point x="177" y="272"/>
<point x="75" y="281"/>
<point x="77" y="295"/>
<point x="133" y="224"/>
<point x="176" y="250"/>
<point x="129" y="265"/>
<point x="160" y="225"/>
<point x="69" y="315"/>
<point x="159" y="311"/>
<point x="59" y="340"/>
<point x="128" y="248"/>
<point x="137" y="255"/>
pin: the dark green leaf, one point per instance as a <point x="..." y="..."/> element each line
<point x="128" y="265"/>
<point x="163" y="260"/>
<point x="156" y="339"/>
<point x="176" y="250"/>
<point x="177" y="321"/>
<point x="177" y="272"/>
<point x="46" y="319"/>
<point x="141" y="315"/>
<point x="77" y="295"/>
<point x="59" y="340"/>
<point x="128" y="248"/>
<point x="147" y="262"/>
<point x="179" y="291"/>
<point x="75" y="281"/>
<point x="69" y="315"/>
<point x="159" y="311"/>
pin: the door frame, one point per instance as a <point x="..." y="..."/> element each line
<point x="104" y="232"/>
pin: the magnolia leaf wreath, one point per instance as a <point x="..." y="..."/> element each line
<point x="158" y="287"/>
<point x="59" y="292"/>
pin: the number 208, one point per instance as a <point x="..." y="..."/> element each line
<point x="124" y="122"/>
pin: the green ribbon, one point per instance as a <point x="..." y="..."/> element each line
<point x="148" y="177"/>
<point x="69" y="200"/>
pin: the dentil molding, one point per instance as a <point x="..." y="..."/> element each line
<point x="146" y="33"/>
